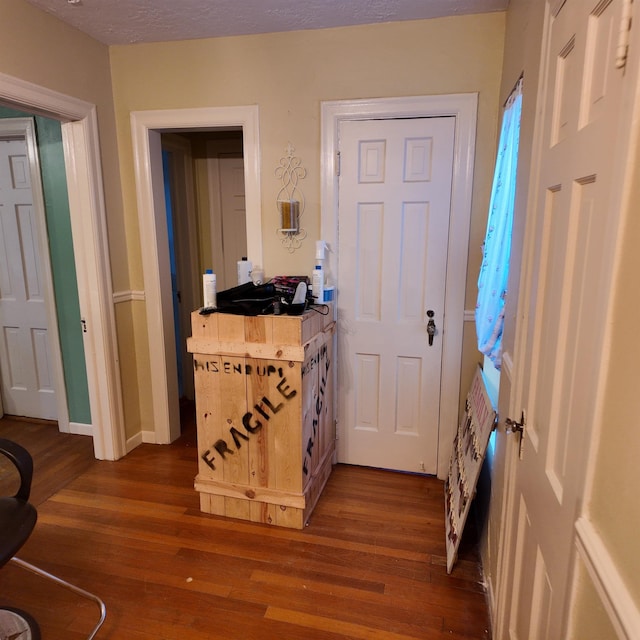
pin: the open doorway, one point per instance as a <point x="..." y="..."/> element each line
<point x="88" y="223"/>
<point x="148" y="129"/>
<point x="206" y="227"/>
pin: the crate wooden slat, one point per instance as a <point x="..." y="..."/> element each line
<point x="264" y="405"/>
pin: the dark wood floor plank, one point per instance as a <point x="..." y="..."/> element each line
<point x="371" y="564"/>
<point x="57" y="457"/>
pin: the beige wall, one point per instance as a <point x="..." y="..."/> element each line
<point x="288" y="75"/>
<point x="40" y="49"/>
<point x="615" y="507"/>
<point x="589" y="619"/>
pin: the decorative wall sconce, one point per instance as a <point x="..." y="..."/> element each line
<point x="290" y="200"/>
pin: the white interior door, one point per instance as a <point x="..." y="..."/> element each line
<point x="394" y="208"/>
<point x="564" y="297"/>
<point x="26" y="365"/>
<point x="233" y="212"/>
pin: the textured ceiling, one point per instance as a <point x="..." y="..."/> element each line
<point x="131" y="21"/>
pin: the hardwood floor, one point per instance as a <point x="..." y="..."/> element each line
<point x="370" y="565"/>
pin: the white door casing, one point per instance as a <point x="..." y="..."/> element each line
<point x="394" y="205"/>
<point x="565" y="291"/>
<point x="146" y="128"/>
<point x="88" y="222"/>
<point x="463" y="107"/>
<point x="31" y="362"/>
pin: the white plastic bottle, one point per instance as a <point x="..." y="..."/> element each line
<point x="257" y="275"/>
<point x="244" y="270"/>
<point x="317" y="284"/>
<point x="209" y="289"/>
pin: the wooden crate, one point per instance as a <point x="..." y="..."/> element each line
<point x="264" y="406"/>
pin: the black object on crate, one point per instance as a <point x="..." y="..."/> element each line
<point x="246" y="299"/>
<point x="275" y="296"/>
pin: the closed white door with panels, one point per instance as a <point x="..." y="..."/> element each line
<point x="394" y="208"/>
<point x="26" y="369"/>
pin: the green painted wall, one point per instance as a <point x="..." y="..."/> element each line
<point x="65" y="284"/>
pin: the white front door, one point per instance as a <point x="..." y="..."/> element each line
<point x="393" y="228"/>
<point x="26" y="365"/>
<point x="564" y="298"/>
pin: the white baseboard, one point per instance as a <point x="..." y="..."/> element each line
<point x="81" y="429"/>
<point x="491" y="600"/>
<point x="133" y="442"/>
<point x="149" y="437"/>
<point x="613" y="592"/>
<point x="146" y="437"/>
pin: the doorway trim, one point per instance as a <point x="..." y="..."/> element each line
<point x="90" y="246"/>
<point x="146" y="129"/>
<point x="463" y="107"/>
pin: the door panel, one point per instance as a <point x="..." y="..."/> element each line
<point x="25" y="352"/>
<point x="564" y="296"/>
<point x="394" y="207"/>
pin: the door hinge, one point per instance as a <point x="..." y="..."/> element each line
<point x="624" y="34"/>
<point x="83" y="322"/>
<point x="338" y="164"/>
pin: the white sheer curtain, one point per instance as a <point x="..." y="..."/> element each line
<point x="496" y="250"/>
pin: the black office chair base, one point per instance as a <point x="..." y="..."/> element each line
<point x="18" y="624"/>
<point x="66" y="585"/>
